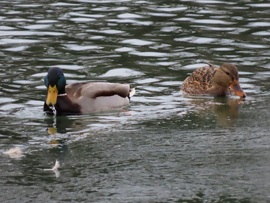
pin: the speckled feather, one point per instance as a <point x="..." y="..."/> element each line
<point x="200" y="80"/>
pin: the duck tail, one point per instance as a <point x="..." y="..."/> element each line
<point x="210" y="64"/>
<point x="132" y="91"/>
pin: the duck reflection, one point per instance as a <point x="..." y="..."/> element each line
<point x="224" y="109"/>
<point x="57" y="128"/>
<point x="58" y="125"/>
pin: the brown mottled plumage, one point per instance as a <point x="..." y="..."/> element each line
<point x="82" y="98"/>
<point x="211" y="80"/>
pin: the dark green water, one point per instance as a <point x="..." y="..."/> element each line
<point x="163" y="147"/>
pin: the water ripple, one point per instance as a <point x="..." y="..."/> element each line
<point x="137" y="42"/>
<point x="76" y="47"/>
<point x="5" y="41"/>
<point x="154" y="46"/>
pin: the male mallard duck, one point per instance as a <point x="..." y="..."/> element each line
<point x="211" y="80"/>
<point x="82" y="98"/>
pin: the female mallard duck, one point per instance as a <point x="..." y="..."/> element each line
<point x="82" y="98"/>
<point x="211" y="80"/>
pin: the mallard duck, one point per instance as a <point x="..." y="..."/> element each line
<point x="214" y="81"/>
<point x="85" y="97"/>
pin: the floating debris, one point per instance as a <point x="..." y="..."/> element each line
<point x="14" y="153"/>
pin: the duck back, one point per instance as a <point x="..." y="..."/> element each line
<point x="199" y="81"/>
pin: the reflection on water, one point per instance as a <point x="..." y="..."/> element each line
<point x="227" y="114"/>
<point x="164" y="147"/>
<point x="224" y="110"/>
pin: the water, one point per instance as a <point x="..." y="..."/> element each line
<point x="162" y="148"/>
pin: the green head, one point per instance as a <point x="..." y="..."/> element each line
<point x="55" y="82"/>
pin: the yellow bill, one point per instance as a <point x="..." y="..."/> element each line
<point x="52" y="95"/>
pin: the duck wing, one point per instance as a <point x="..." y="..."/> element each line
<point x="99" y="96"/>
<point x="97" y="89"/>
<point x="199" y="81"/>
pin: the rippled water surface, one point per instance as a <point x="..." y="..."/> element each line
<point x="164" y="147"/>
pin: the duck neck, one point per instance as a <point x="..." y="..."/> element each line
<point x="217" y="90"/>
<point x="62" y="91"/>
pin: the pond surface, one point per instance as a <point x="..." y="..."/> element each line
<point x="164" y="147"/>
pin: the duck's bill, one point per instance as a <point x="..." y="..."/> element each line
<point x="52" y="95"/>
<point x="237" y="90"/>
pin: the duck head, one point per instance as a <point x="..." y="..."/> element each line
<point x="55" y="82"/>
<point x="227" y="77"/>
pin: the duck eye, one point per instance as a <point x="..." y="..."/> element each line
<point x="227" y="72"/>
